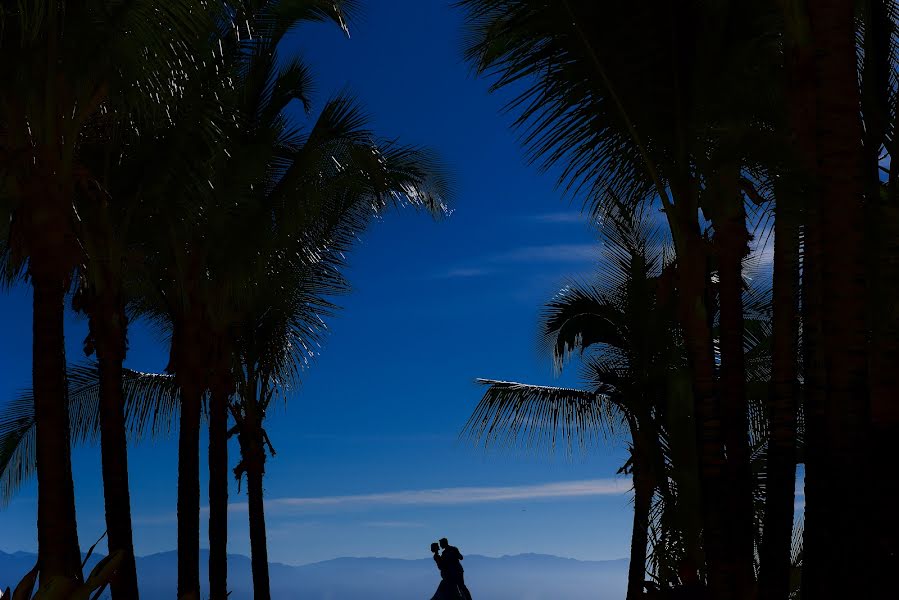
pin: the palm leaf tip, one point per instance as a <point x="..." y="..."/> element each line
<point x="512" y="414"/>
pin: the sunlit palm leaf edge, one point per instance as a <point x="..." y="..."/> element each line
<point x="151" y="409"/>
<point x="531" y="417"/>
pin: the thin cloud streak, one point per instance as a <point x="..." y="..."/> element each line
<point x="453" y="496"/>
<point x="559" y="217"/>
<point x="463" y="273"/>
<point x="567" y="253"/>
<point x="394" y="524"/>
<point x="553" y="253"/>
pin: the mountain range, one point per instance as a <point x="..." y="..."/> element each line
<point x="519" y="577"/>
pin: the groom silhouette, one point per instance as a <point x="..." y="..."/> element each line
<point x="451" y="560"/>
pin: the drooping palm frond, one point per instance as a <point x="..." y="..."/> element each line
<point x="579" y="77"/>
<point x="340" y="155"/>
<point x="541" y="417"/>
<point x="17" y="450"/>
<point x="273" y="19"/>
<point x="151" y="409"/>
<point x="668" y="547"/>
<point x="619" y="308"/>
<point x="577" y="318"/>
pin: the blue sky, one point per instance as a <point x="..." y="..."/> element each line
<point x="368" y="457"/>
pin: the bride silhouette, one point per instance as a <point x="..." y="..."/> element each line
<point x="447" y="590"/>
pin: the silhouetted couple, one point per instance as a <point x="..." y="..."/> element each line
<point x="452" y="580"/>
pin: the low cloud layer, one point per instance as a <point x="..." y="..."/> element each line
<point x="452" y="496"/>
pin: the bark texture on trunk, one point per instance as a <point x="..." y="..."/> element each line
<point x="218" y="492"/>
<point x="885" y="401"/>
<point x="58" y="550"/>
<point x="731" y="245"/>
<point x="643" y="490"/>
<point x="109" y="329"/>
<point x="782" y="407"/>
<point x="258" y="547"/>
<point x="883" y="216"/>
<point x="802" y="95"/>
<point x="836" y="520"/>
<point x="253" y="441"/>
<point x="694" y="317"/>
<point x="189" y="491"/>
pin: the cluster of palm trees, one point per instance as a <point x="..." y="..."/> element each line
<point x="154" y="166"/>
<point x="720" y="115"/>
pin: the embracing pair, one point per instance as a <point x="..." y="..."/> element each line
<point x="452" y="584"/>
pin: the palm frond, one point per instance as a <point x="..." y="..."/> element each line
<point x="17" y="449"/>
<point x="540" y="417"/>
<point x="579" y="317"/>
<point x="151" y="409"/>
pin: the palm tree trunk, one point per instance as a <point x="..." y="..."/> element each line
<point x="837" y="518"/>
<point x="802" y="96"/>
<point x="884" y="406"/>
<point x="189" y="490"/>
<point x="643" y="490"/>
<point x="109" y="330"/>
<point x="58" y="551"/>
<point x="731" y="244"/>
<point x="693" y="315"/>
<point x="883" y="251"/>
<point x="774" y="558"/>
<point x="218" y="492"/>
<point x="258" y="547"/>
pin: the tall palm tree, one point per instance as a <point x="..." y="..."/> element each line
<point x="878" y="39"/>
<point x="67" y="68"/>
<point x="592" y="74"/>
<point x="841" y="129"/>
<point x="782" y="396"/>
<point x="260" y="137"/>
<point x="625" y="327"/>
<point x="349" y="179"/>
<point x="115" y="209"/>
<point x="183" y="293"/>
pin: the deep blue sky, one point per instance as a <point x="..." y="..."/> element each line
<point x="435" y="305"/>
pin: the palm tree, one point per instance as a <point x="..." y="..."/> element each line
<point x="150" y="406"/>
<point x="260" y="136"/>
<point x="878" y="40"/>
<point x="841" y="128"/>
<point x="843" y="316"/>
<point x="592" y="74"/>
<point x="67" y="69"/>
<point x="114" y="211"/>
<point x="349" y="179"/>
<point x="783" y="397"/>
<point x="181" y="291"/>
<point x="624" y="326"/>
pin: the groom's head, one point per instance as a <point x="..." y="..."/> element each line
<point x="444" y="543"/>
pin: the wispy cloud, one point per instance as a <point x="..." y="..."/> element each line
<point x="463" y="273"/>
<point x="344" y="438"/>
<point x="558" y="217"/>
<point x="162" y="519"/>
<point x="394" y="524"/>
<point x="567" y="253"/>
<point x="551" y="253"/>
<point x="452" y="496"/>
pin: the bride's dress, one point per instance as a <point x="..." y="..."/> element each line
<point x="445" y="591"/>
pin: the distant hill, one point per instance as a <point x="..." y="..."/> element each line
<point x="520" y="577"/>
